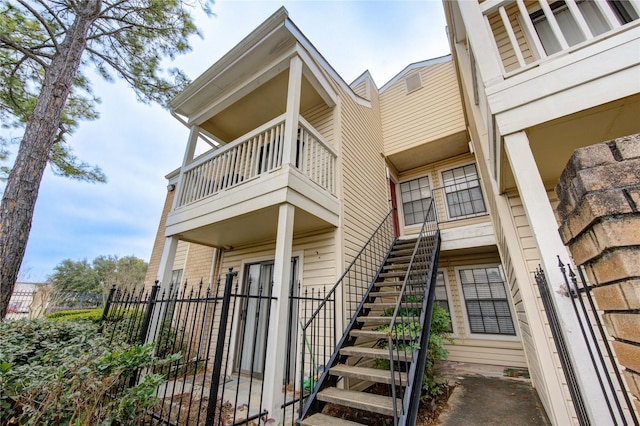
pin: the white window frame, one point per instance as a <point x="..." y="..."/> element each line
<point x="441" y="173"/>
<point x="452" y="308"/>
<point x="414" y="226"/>
<point x="463" y="304"/>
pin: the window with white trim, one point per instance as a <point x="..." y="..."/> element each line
<point x="442" y="297"/>
<point x="485" y="297"/>
<point x="463" y="193"/>
<point x="176" y="276"/>
<point x="416" y="198"/>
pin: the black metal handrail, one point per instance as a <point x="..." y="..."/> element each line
<point x="355" y="282"/>
<point x="408" y="337"/>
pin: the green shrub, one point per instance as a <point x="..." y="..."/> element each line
<point x="63" y="372"/>
<point x="94" y="315"/>
<point x="432" y="386"/>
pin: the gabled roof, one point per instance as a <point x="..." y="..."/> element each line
<point x="408" y="68"/>
<point x="262" y="46"/>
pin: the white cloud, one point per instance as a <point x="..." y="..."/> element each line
<point x="136" y="144"/>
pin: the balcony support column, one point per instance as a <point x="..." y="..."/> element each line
<point x="189" y="155"/>
<point x="294" y="92"/>
<point x="165" y="271"/>
<point x="544" y="227"/>
<point x="277" y="337"/>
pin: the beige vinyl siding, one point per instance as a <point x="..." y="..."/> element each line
<point x="361" y="89"/>
<point x="321" y="118"/>
<point x="532" y="258"/>
<point x="364" y="187"/>
<point x="198" y="265"/>
<point x="507" y="53"/>
<point x="426" y="114"/>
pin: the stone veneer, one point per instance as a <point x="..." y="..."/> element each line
<point x="599" y="210"/>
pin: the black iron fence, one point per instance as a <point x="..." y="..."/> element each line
<point x="610" y="381"/>
<point x="42" y="300"/>
<point x="221" y="334"/>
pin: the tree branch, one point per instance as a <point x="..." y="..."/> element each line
<point x="27" y="52"/>
<point x="41" y="20"/>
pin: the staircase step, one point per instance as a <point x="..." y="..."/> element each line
<point x="388" y="293"/>
<point x="369" y="333"/>
<point x="371" y="353"/>
<point x="368" y="374"/>
<point x="320" y="419"/>
<point x="374" y="320"/>
<point x="381" y="305"/>
<point x="360" y="400"/>
<point x="399" y="259"/>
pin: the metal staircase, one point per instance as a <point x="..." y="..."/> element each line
<point x="387" y="337"/>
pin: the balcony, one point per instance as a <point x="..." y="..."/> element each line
<point x="229" y="196"/>
<point x="528" y="33"/>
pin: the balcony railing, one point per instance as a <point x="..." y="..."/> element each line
<point x="527" y="32"/>
<point x="254" y="154"/>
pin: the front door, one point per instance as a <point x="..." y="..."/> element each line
<point x="255" y="317"/>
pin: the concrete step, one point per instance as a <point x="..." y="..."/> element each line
<point x="360" y="400"/>
<point x="369" y="374"/>
<point x="375" y="353"/>
<point x="320" y="419"/>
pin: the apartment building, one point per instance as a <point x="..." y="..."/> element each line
<point x="300" y="168"/>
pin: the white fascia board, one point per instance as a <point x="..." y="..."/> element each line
<point x="364" y="76"/>
<point x="243" y="88"/>
<point x="565" y="72"/>
<point x="322" y="62"/>
<point x="241" y="49"/>
<point x="316" y="78"/>
<point x="460" y="237"/>
<point x="421" y="64"/>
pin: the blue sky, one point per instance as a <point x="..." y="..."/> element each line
<point x="136" y="145"/>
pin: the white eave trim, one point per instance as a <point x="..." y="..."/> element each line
<point x="267" y="27"/>
<point x="434" y="61"/>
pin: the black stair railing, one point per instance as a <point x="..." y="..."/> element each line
<point x="318" y="333"/>
<point x="408" y="337"/>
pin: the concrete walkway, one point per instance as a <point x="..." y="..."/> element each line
<point x="487" y="395"/>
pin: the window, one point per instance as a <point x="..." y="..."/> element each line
<point x="462" y="189"/>
<point x="485" y="297"/>
<point x="176" y="276"/>
<point x="442" y="299"/>
<point x="570" y="30"/>
<point x="416" y="199"/>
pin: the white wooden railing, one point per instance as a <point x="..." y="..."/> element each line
<point x="254" y="154"/>
<point x="518" y="41"/>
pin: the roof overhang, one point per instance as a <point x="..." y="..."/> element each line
<point x="262" y="55"/>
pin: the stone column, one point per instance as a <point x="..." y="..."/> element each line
<point x="599" y="194"/>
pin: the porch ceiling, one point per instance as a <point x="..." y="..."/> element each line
<point x="251" y="228"/>
<point x="552" y="143"/>
<point x="265" y="103"/>
<point x="430" y="152"/>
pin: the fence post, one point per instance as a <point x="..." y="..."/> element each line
<point x="107" y="306"/>
<point x="217" y="363"/>
<point x="148" y="312"/>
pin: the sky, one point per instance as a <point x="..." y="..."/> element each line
<point x="136" y="145"/>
